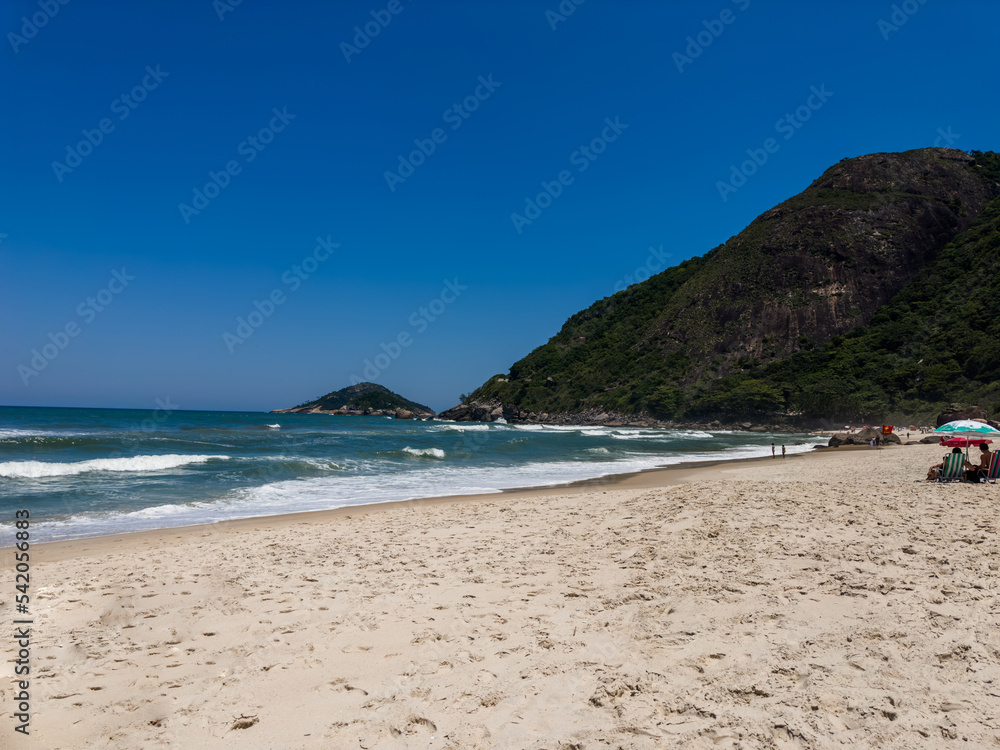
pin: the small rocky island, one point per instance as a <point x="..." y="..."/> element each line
<point x="363" y="400"/>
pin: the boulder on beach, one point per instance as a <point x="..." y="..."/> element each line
<point x="960" y="411"/>
<point x="476" y="411"/>
<point x="863" y="437"/>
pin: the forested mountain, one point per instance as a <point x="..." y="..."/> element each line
<point x="871" y="293"/>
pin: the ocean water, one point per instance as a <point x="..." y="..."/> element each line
<point x="89" y="472"/>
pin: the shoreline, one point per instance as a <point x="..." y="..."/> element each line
<point x="216" y="499"/>
<point x="658" y="477"/>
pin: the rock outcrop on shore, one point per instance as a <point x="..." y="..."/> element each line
<point x="493" y="411"/>
<point x="863" y="437"/>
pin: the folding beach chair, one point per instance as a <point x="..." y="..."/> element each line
<point x="954" y="466"/>
<point x="994" y="473"/>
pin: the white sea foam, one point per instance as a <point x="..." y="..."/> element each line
<point x="582" y="429"/>
<point x="11" y="432"/>
<point x="319" y="463"/>
<point x="424" y="452"/>
<point x="619" y="433"/>
<point x="39" y="469"/>
<point x="301" y="495"/>
<point x="460" y="427"/>
<point x="649" y="434"/>
<point x="274" y="426"/>
<point x="368" y="474"/>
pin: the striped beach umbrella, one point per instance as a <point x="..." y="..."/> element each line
<point x="966" y="428"/>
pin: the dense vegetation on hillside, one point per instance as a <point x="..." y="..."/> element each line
<point x="741" y="349"/>
<point x="587" y="375"/>
<point x="937" y="341"/>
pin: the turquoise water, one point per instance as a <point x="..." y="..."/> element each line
<point x="87" y="472"/>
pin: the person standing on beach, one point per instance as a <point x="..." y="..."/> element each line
<point x="782" y="451"/>
<point x="773" y="454"/>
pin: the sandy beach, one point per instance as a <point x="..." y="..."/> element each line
<point x="824" y="600"/>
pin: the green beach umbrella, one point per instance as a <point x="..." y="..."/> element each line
<point x="966" y="428"/>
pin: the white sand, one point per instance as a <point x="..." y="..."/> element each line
<point x="811" y="602"/>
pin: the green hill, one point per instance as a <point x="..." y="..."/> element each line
<point x="363" y="397"/>
<point x="844" y="302"/>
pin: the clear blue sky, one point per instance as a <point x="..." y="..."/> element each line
<point x="196" y="89"/>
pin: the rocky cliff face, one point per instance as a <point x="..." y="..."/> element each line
<point x="821" y="263"/>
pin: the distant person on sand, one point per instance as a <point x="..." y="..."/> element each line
<point x="773" y="455"/>
<point x="782" y="451"/>
<point x="975" y="473"/>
